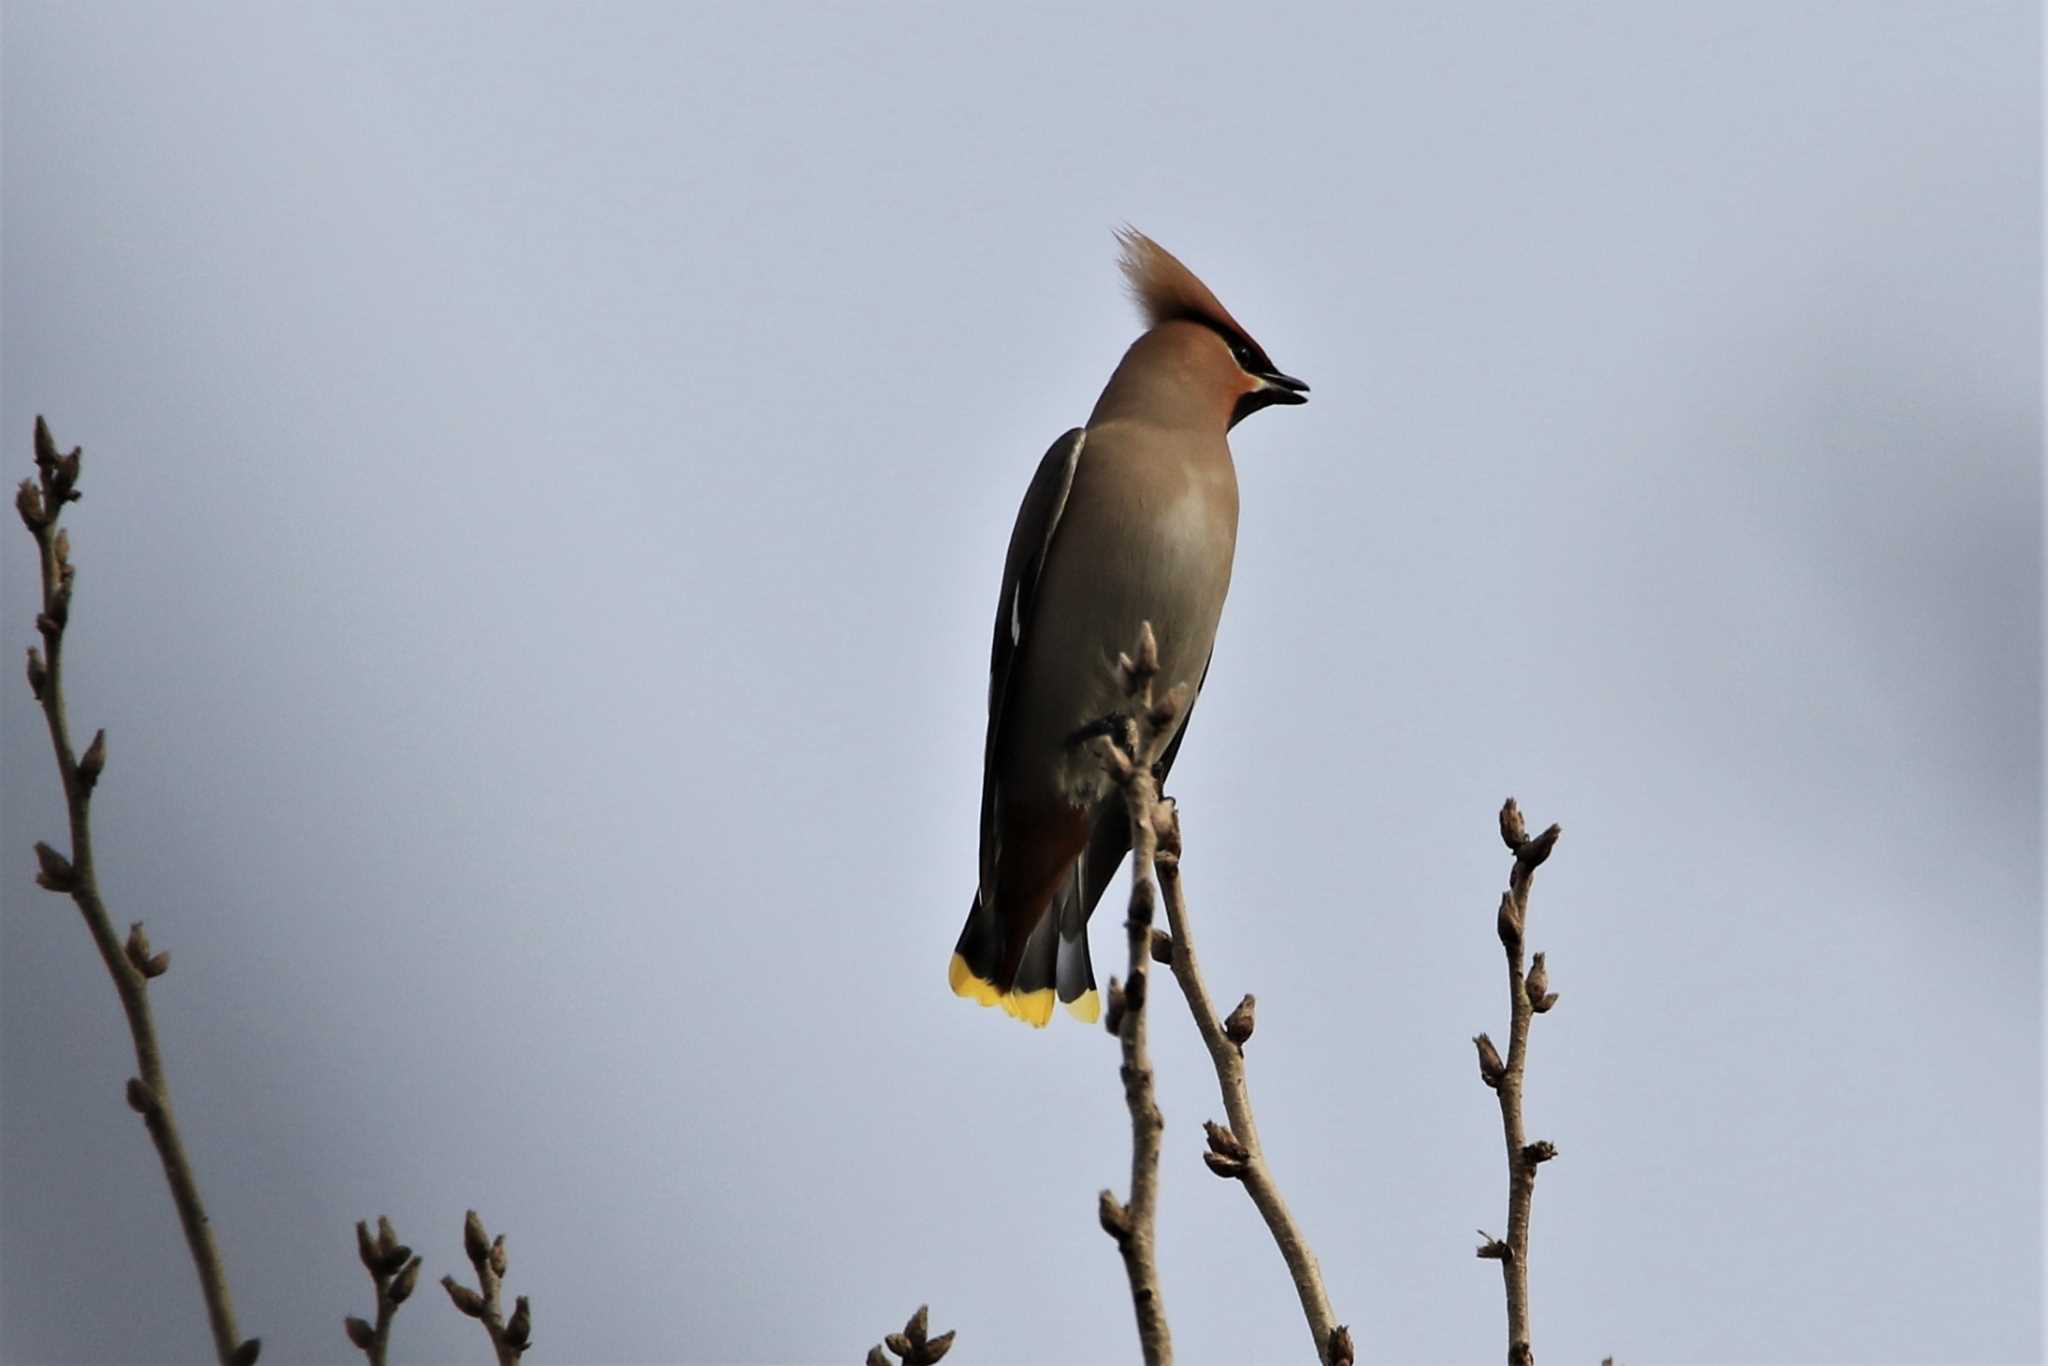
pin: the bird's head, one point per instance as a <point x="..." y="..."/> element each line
<point x="1192" y="334"/>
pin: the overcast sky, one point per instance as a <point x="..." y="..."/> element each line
<point x="547" y="473"/>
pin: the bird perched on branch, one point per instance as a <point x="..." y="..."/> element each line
<point x="1130" y="519"/>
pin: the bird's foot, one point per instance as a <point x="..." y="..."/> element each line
<point x="1116" y="726"/>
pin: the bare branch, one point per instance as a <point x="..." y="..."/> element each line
<point x="41" y="503"/>
<point x="1128" y="749"/>
<point x="395" y="1272"/>
<point x="1129" y="754"/>
<point x="1529" y="995"/>
<point x="1136" y="741"/>
<point x="1242" y="1158"/>
<point x="509" y="1337"/>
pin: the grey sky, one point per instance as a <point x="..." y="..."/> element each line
<point x="547" y="475"/>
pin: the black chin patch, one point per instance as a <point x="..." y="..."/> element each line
<point x="1261" y="397"/>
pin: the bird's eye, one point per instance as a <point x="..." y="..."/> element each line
<point x="1244" y="355"/>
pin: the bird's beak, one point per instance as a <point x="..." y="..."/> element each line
<point x="1282" y="389"/>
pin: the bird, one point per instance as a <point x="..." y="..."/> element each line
<point x="1128" y="520"/>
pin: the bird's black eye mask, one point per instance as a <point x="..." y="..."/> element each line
<point x="1247" y="354"/>
<point x="1274" y="387"/>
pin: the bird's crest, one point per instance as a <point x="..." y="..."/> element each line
<point x="1165" y="289"/>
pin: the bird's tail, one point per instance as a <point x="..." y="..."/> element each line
<point x="1053" y="962"/>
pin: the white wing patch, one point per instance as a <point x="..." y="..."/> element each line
<point x="1052" y="524"/>
<point x="1066" y="487"/>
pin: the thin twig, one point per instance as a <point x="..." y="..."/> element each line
<point x="509" y="1337"/>
<point x="41" y="502"/>
<point x="1235" y="1151"/>
<point x="394" y="1271"/>
<point x="1528" y="996"/>
<point x="1128" y="756"/>
<point x="914" y="1344"/>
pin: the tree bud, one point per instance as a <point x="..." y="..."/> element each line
<point x="1237" y="1026"/>
<point x="1492" y="1070"/>
<point x="467" y="1300"/>
<point x="28" y="501"/>
<point x="366" y="1247"/>
<point x="475" y="1241"/>
<point x="53" y="871"/>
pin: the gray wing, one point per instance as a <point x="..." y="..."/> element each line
<point x="1037" y="519"/>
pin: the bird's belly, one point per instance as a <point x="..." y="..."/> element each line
<point x="1163" y="566"/>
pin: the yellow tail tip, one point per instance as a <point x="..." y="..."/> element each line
<point x="961" y="978"/>
<point x="1032" y="1007"/>
<point x="1087" y="1007"/>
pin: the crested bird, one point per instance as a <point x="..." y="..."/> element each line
<point x="1130" y="519"/>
